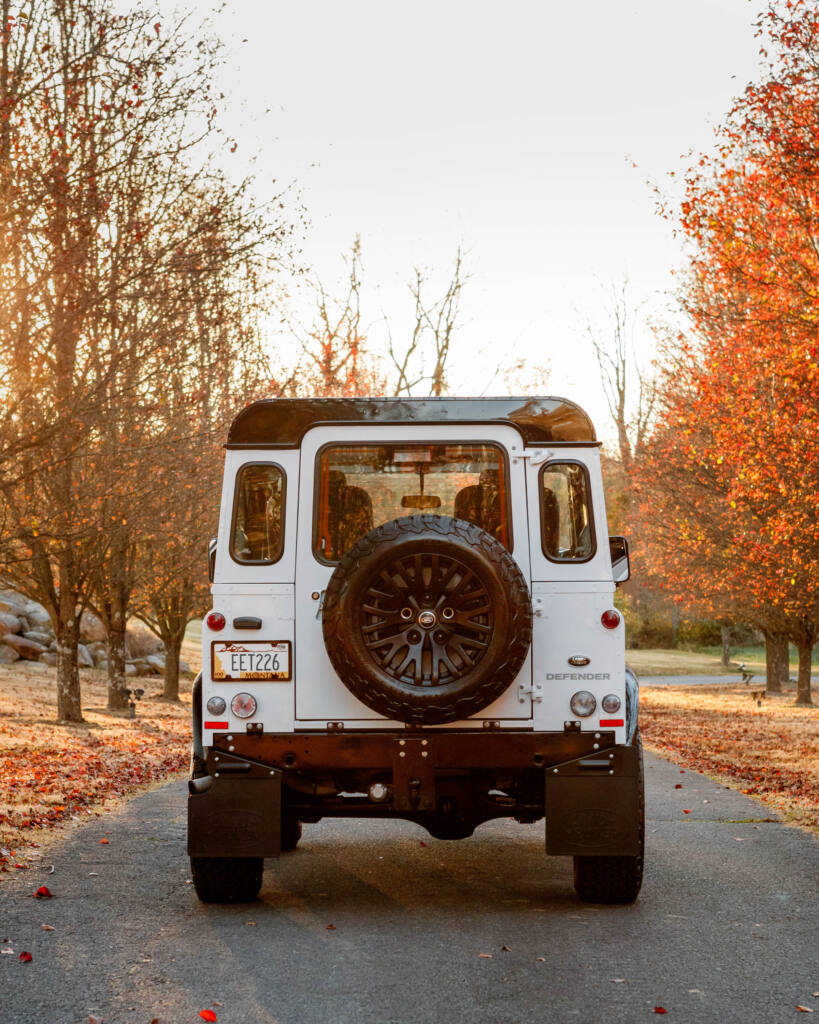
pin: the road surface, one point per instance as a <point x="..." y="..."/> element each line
<point x="726" y="929"/>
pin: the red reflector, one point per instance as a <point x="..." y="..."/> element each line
<point x="216" y="725"/>
<point x="610" y="722"/>
<point x="215" y="621"/>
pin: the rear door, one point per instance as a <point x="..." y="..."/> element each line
<point x="321" y="696"/>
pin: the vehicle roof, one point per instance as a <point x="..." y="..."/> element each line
<point x="282" y="422"/>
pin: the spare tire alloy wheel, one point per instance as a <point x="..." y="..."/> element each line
<point x="427" y="619"/>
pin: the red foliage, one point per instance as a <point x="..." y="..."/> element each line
<point x="730" y="487"/>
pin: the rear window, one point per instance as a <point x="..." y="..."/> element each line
<point x="257" y="534"/>
<point x="362" y="486"/>
<point x="565" y="512"/>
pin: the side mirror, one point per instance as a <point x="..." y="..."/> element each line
<point x="212" y="559"/>
<point x="618" y="551"/>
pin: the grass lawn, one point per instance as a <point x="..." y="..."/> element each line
<point x="701" y="663"/>
<point x="769" y="751"/>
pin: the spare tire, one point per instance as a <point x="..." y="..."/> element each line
<point x="427" y="619"/>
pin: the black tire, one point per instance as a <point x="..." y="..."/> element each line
<point x="227" y="879"/>
<point x="614" y="879"/>
<point x="427" y="619"/>
<point x="291" y="832"/>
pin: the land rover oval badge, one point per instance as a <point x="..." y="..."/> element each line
<point x="579" y="659"/>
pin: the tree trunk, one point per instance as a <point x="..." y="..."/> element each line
<point x="725" y="633"/>
<point x="803" y="696"/>
<point x="114" y="596"/>
<point x="173" y="645"/>
<point x="69" y="702"/>
<point x="776" y="661"/>
<point x="115" y="643"/>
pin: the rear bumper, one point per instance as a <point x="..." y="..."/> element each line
<point x="491" y="750"/>
<point x="588" y="787"/>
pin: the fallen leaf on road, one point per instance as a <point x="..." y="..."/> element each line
<point x="803" y="1009"/>
<point x="250" y="923"/>
<point x="331" y="927"/>
<point x="687" y="811"/>
<point x="92" y="873"/>
<point x="505" y="949"/>
<point x="155" y="1020"/>
<point x="95" y="1020"/>
<point x="43" y="893"/>
<point x="217" y="1003"/>
<point x="208" y="1015"/>
<point x="484" y="956"/>
<point x="7" y="952"/>
<point x="660" y="1009"/>
<point x="617" y="981"/>
<point x="541" y="959"/>
<point x="48" y="927"/>
<point x="25" y="957"/>
<point x="678" y="786"/>
<point x="421" y="842"/>
<point x="738" y="840"/>
<point x="104" y="842"/>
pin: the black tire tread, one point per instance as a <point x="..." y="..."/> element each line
<point x="227" y="879"/>
<point x="511" y="579"/>
<point x="291" y="832"/>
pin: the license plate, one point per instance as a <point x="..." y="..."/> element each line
<point x="263" y="659"/>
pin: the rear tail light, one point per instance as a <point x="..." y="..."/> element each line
<point x="243" y="705"/>
<point x="583" y="703"/>
<point x="610" y="618"/>
<point x="215" y="621"/>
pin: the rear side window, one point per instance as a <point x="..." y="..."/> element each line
<point x="257" y="533"/>
<point x="565" y="512"/>
<point x="363" y="486"/>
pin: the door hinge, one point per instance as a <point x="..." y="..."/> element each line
<point x="534" y="455"/>
<point x="535" y="691"/>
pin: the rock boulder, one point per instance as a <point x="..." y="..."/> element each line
<point x="9" y="622"/>
<point x="25" y="648"/>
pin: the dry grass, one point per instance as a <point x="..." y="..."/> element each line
<point x="695" y="663"/>
<point x="56" y="776"/>
<point x="682" y="663"/>
<point x="771" y="752"/>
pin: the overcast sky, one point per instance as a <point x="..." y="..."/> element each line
<point x="513" y="128"/>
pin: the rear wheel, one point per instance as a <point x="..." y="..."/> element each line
<point x="227" y="879"/>
<point x="614" y="879"/>
<point x="291" y="831"/>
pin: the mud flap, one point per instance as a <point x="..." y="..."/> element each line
<point x="235" y="816"/>
<point x="593" y="805"/>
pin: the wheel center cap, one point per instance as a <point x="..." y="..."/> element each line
<point x="427" y="619"/>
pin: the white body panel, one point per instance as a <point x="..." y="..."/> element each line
<point x="568" y="598"/>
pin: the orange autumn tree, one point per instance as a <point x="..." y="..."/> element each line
<point x="730" y="488"/>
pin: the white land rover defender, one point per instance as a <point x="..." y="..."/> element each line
<point x="412" y="618"/>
